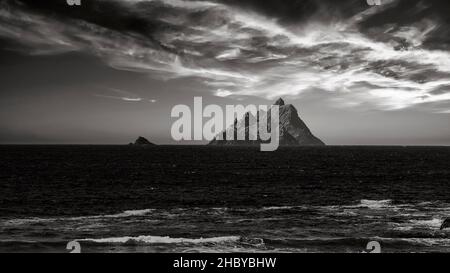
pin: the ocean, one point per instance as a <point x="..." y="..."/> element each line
<point x="223" y="199"/>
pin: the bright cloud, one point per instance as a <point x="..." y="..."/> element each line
<point x="240" y="53"/>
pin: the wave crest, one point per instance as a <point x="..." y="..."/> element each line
<point x="375" y="204"/>
<point x="144" y="239"/>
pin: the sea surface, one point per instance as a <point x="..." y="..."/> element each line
<point x="223" y="199"/>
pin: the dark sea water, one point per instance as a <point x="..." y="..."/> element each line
<point x="214" y="199"/>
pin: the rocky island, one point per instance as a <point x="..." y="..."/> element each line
<point x="142" y="141"/>
<point x="293" y="131"/>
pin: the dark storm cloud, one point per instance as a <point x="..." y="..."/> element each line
<point x="432" y="16"/>
<point x="295" y="11"/>
<point x="378" y="57"/>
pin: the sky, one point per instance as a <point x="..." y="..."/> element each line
<point x="109" y="71"/>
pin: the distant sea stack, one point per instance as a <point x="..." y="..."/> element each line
<point x="293" y="131"/>
<point x="142" y="141"/>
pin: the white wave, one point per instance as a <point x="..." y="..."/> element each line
<point x="161" y="240"/>
<point x="127" y="213"/>
<point x="280" y="208"/>
<point x="9" y="241"/>
<point x="18" y="222"/>
<point x="31" y="220"/>
<point x="417" y="241"/>
<point x="429" y="241"/>
<point x="423" y="224"/>
<point x="425" y="203"/>
<point x="257" y="220"/>
<point x="131" y="213"/>
<point x="433" y="223"/>
<point x="375" y="204"/>
<point x="403" y="228"/>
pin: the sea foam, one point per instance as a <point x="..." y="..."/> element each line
<point x="161" y="240"/>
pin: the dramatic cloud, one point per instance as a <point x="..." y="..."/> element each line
<point x="357" y="54"/>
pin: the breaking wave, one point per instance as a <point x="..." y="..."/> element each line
<point x="364" y="203"/>
<point x="433" y="223"/>
<point x="375" y="204"/>
<point x="124" y="214"/>
<point x="144" y="239"/>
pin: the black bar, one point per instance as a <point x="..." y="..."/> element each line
<point x="166" y="262"/>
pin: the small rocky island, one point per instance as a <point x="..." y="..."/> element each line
<point x="142" y="141"/>
<point x="293" y="131"/>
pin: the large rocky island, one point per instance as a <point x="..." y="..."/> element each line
<point x="293" y="131"/>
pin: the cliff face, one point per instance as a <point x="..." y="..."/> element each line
<point x="293" y="131"/>
<point x="295" y="127"/>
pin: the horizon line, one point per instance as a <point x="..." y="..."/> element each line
<point x="243" y="146"/>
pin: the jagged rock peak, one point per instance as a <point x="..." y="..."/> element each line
<point x="293" y="131"/>
<point x="279" y="102"/>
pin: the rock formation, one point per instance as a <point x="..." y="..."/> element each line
<point x="142" y="141"/>
<point x="293" y="131"/>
